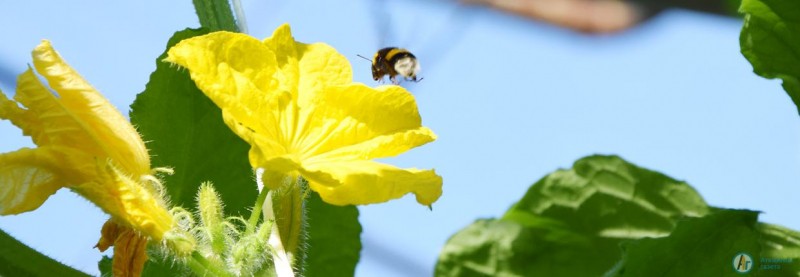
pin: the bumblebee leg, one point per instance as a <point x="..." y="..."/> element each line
<point x="413" y="79"/>
<point x="394" y="80"/>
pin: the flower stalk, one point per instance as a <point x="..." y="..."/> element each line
<point x="255" y="215"/>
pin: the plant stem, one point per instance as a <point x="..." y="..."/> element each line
<point x="238" y="10"/>
<point x="215" y="15"/>
<point x="256" y="214"/>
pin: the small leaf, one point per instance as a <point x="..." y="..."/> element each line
<point x="185" y="131"/>
<point x="105" y="266"/>
<point x="17" y="259"/>
<point x="770" y="40"/>
<point x="698" y="247"/>
<point x="334" y="238"/>
<point x="570" y="223"/>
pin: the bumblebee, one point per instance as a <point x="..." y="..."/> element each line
<point x="395" y="61"/>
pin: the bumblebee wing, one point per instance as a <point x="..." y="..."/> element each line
<point x="435" y="46"/>
<point x="382" y="20"/>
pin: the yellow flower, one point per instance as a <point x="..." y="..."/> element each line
<point x="84" y="144"/>
<point x="297" y="107"/>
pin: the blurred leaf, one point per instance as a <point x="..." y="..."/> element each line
<point x="570" y="223"/>
<point x="778" y="242"/>
<point x="698" y="247"/>
<point x="334" y="238"/>
<point x="770" y="40"/>
<point x="17" y="259"/>
<point x="185" y="131"/>
<point x="215" y="15"/>
<point x="105" y="266"/>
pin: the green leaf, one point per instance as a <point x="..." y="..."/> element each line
<point x="17" y="259"/>
<point x="698" y="247"/>
<point x="570" y="223"/>
<point x="185" y="131"/>
<point x="770" y="40"/>
<point x="334" y="238"/>
<point x="216" y="15"/>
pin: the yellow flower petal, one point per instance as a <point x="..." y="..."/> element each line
<point x="350" y="116"/>
<point x="106" y="127"/>
<point x="378" y="147"/>
<point x="367" y="182"/>
<point x="24" y="119"/>
<point x="283" y="45"/>
<point x="50" y="124"/>
<point x="228" y="66"/>
<point x="27" y="178"/>
<point x="307" y="68"/>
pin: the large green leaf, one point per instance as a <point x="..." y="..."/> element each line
<point x="571" y="222"/>
<point x="770" y="40"/>
<point x="185" y="131"/>
<point x="698" y="247"/>
<point x="334" y="238"/>
<point x="17" y="259"/>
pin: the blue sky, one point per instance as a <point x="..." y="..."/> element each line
<point x="510" y="99"/>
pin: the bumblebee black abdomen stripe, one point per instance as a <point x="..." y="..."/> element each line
<point x="382" y="54"/>
<point x="394" y="53"/>
<point x="399" y="56"/>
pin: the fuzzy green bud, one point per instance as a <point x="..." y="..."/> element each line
<point x="213" y="223"/>
<point x="180" y="243"/>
